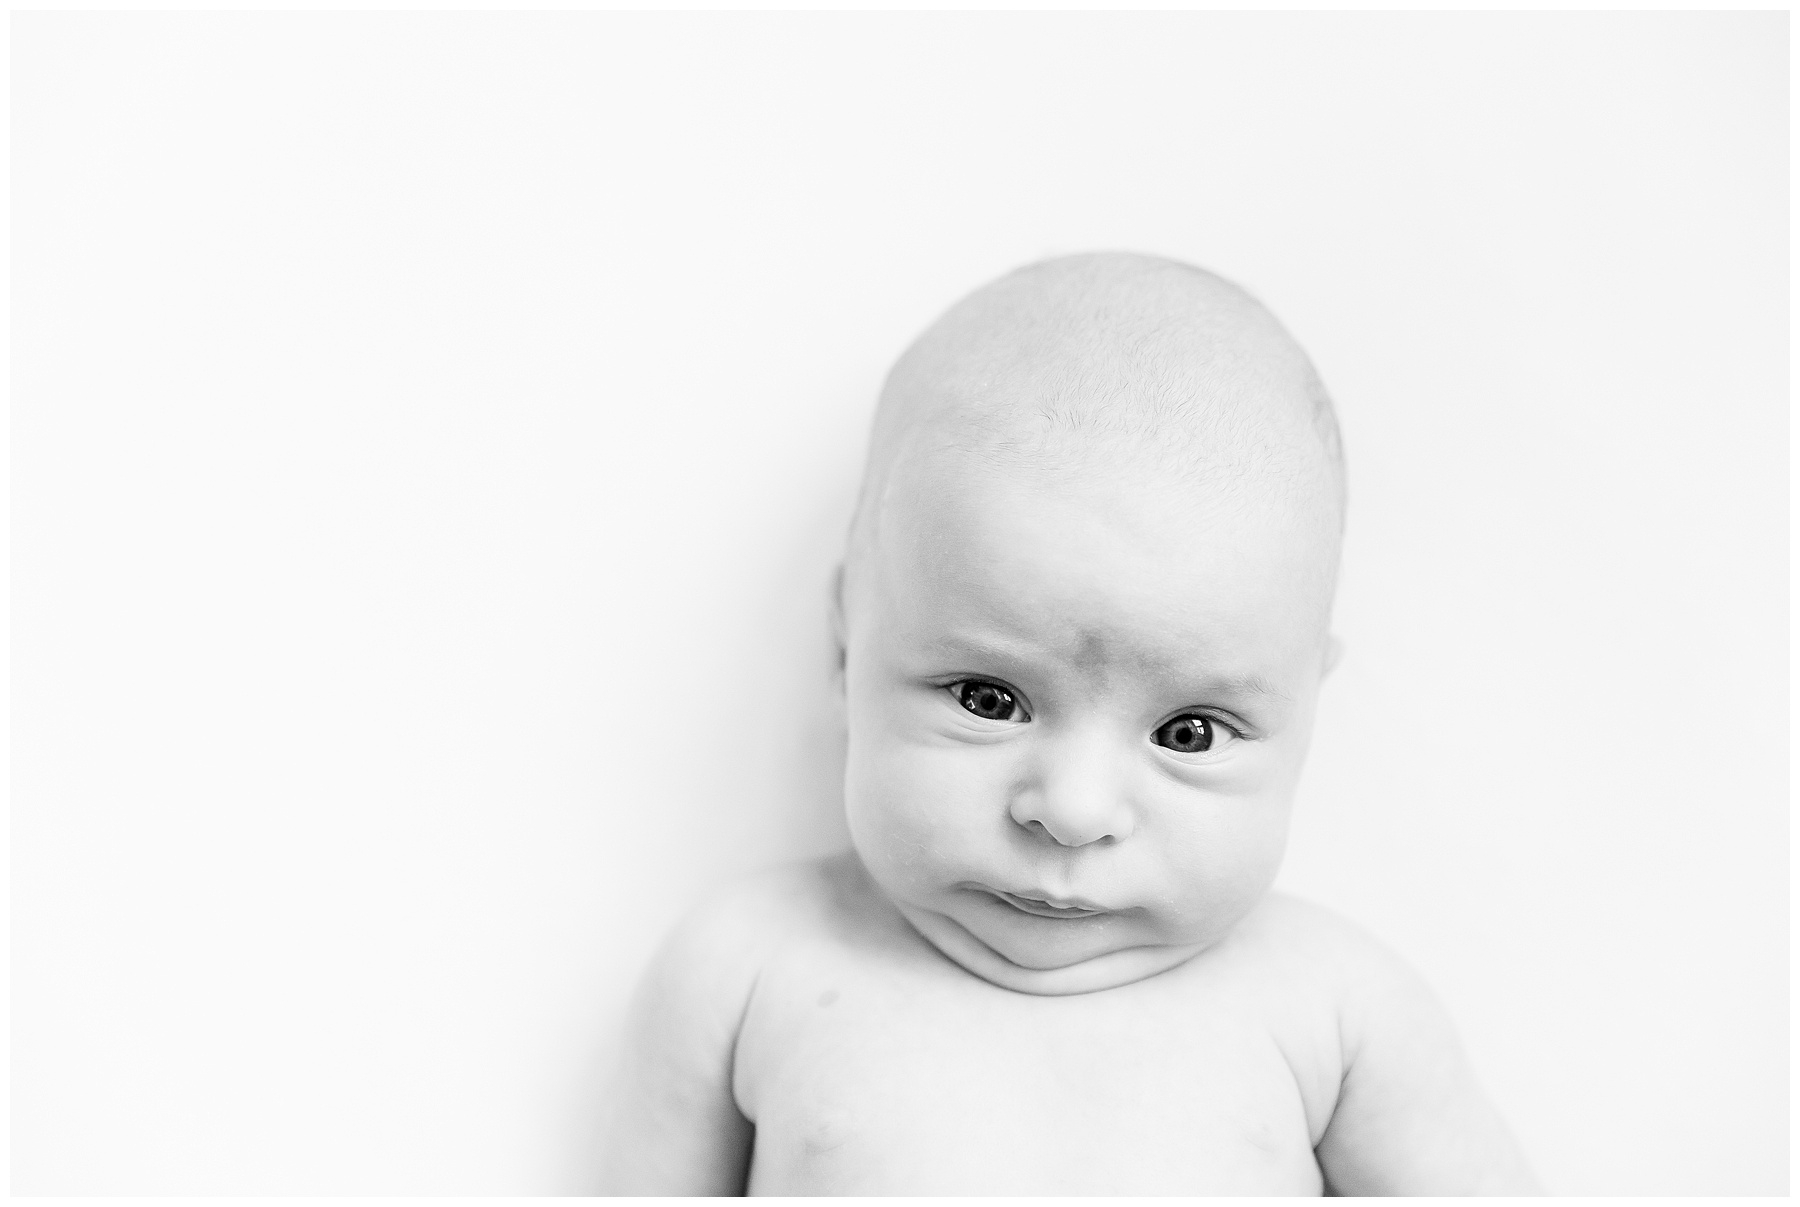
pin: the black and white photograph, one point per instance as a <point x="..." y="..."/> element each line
<point x="839" y="602"/>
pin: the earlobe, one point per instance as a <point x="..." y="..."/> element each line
<point x="1334" y="652"/>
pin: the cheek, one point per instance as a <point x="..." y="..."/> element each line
<point x="1233" y="843"/>
<point x="1222" y="857"/>
<point x="914" y="808"/>
<point x="915" y="796"/>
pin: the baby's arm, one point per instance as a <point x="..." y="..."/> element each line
<point x="1410" y="1119"/>
<point x="676" y="1128"/>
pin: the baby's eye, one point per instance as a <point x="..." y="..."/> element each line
<point x="1190" y="733"/>
<point x="987" y="700"/>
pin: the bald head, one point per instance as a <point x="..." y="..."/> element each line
<point x="1107" y="364"/>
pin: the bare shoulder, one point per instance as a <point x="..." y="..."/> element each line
<point x="1332" y="951"/>
<point x="1409" y="1116"/>
<point x="1295" y="920"/>
<point x="695" y="992"/>
<point x="752" y="903"/>
<point x="726" y="936"/>
<point x="1310" y="969"/>
<point x="677" y="1127"/>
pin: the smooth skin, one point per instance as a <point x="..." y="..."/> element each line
<point x="1052" y="964"/>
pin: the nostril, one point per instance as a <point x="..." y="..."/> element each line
<point x="1063" y="838"/>
<point x="1034" y="815"/>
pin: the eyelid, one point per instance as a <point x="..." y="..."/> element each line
<point x="1230" y="720"/>
<point x="1236" y="728"/>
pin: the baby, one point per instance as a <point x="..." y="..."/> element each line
<point x="1083" y="617"/>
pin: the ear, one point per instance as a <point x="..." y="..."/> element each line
<point x="1334" y="652"/>
<point x="839" y="645"/>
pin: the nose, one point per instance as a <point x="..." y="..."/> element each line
<point x="1075" y="793"/>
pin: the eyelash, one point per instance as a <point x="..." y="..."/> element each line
<point x="957" y="687"/>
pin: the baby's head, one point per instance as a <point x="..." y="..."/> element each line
<point x="1085" y="613"/>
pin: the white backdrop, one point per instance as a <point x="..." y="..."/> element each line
<point x="432" y="433"/>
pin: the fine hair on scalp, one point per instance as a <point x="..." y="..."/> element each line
<point x="1111" y="363"/>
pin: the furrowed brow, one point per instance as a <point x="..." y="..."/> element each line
<point x="1247" y="685"/>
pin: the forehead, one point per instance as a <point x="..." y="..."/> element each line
<point x="1100" y="571"/>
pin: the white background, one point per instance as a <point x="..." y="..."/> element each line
<point x="432" y="434"/>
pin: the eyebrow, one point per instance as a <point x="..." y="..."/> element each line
<point x="1236" y="686"/>
<point x="1247" y="685"/>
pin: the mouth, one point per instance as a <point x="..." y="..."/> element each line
<point x="1046" y="907"/>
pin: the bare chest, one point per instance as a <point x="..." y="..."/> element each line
<point x="896" y="1079"/>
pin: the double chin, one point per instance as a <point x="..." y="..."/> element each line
<point x="1093" y="953"/>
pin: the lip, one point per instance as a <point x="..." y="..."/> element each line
<point x="1049" y="907"/>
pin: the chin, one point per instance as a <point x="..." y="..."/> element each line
<point x="1043" y="944"/>
<point x="1058" y="967"/>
